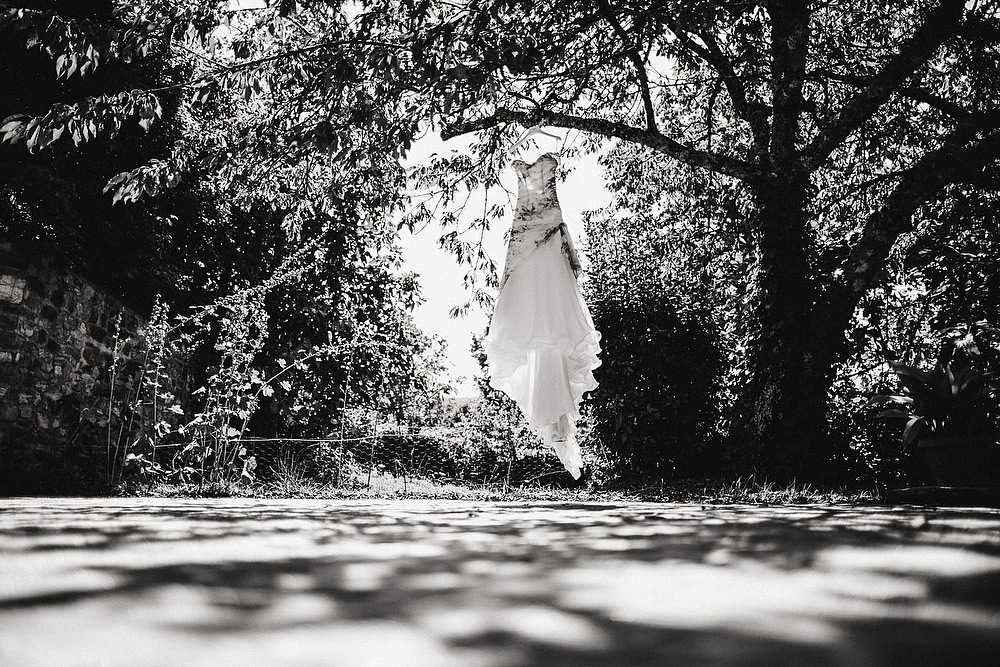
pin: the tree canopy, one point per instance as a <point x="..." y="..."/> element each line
<point x="830" y="130"/>
<point x="127" y="179"/>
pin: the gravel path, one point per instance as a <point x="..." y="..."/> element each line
<point x="220" y="582"/>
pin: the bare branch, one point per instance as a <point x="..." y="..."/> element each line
<point x="722" y="164"/>
<point x="939" y="25"/>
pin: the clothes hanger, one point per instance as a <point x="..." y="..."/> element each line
<point x="528" y="134"/>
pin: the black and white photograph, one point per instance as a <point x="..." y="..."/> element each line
<point x="499" y="333"/>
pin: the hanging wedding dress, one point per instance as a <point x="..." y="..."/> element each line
<point x="542" y="346"/>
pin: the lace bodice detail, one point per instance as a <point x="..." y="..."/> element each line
<point x="537" y="216"/>
<point x="536" y="188"/>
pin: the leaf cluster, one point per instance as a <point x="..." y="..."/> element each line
<point x="947" y="401"/>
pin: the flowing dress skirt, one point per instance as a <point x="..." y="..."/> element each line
<point x="542" y="347"/>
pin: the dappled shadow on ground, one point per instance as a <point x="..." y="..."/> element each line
<point x="250" y="582"/>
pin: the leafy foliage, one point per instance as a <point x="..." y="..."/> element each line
<point x="307" y="312"/>
<point x="948" y="401"/>
<point x="659" y="404"/>
<point x="826" y="133"/>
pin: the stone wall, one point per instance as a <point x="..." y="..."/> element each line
<point x="68" y="354"/>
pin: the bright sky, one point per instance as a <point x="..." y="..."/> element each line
<point x="441" y="277"/>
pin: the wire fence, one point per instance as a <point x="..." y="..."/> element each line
<point x="393" y="460"/>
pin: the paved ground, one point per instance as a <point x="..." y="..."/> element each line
<point x="415" y="583"/>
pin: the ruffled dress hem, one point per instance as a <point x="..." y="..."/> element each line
<point x="542" y="346"/>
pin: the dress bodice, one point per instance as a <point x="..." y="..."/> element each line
<point x="537" y="216"/>
<point x="536" y="189"/>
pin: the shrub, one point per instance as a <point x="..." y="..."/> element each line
<point x="657" y="406"/>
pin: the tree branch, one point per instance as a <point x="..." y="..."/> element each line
<point x="722" y="164"/>
<point x="948" y="164"/>
<point x="745" y="108"/>
<point x="941" y="23"/>
<point x="640" y="67"/>
<point x="913" y="92"/>
<point x="222" y="70"/>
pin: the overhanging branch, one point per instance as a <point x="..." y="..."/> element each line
<point x="642" y="79"/>
<point x="940" y="24"/>
<point x="747" y="109"/>
<point x="919" y="184"/>
<point x="913" y="92"/>
<point x="696" y="158"/>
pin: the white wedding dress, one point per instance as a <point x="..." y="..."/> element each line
<point x="542" y="346"/>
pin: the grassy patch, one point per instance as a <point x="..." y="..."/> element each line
<point x="418" y="489"/>
<point x="292" y="484"/>
<point x="750" y="492"/>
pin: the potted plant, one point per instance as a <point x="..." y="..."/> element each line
<point x="951" y="413"/>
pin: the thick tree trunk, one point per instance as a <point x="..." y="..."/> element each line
<point x="779" y="426"/>
<point x="795" y="332"/>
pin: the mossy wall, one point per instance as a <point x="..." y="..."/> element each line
<point x="68" y="354"/>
